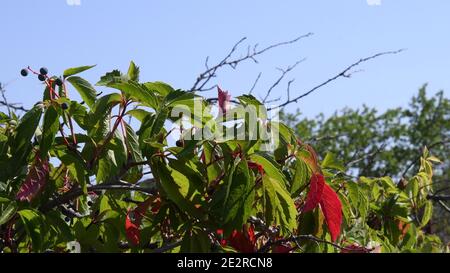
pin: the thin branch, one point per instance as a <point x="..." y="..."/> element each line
<point x="210" y="72"/>
<point x="438" y="197"/>
<point x="288" y="89"/>
<point x="283" y="74"/>
<point x="254" y="83"/>
<point x="346" y="73"/>
<point x="271" y="243"/>
<point x="77" y="191"/>
<point x="368" y="155"/>
<point x="9" y="106"/>
<point x="444" y="206"/>
<point x="167" y="247"/>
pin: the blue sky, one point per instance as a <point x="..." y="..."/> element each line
<point x="170" y="40"/>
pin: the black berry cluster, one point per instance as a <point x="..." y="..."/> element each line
<point x="42" y="75"/>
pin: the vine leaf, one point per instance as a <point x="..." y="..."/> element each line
<point x="321" y="193"/>
<point x="86" y="90"/>
<point x="332" y="210"/>
<point x="133" y="221"/>
<point x="35" y="180"/>
<point x="317" y="183"/>
<point x="76" y="70"/>
<point x="245" y="241"/>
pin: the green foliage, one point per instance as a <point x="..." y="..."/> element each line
<point x="117" y="186"/>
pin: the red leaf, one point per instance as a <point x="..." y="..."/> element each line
<point x="134" y="219"/>
<point x="220" y="238"/>
<point x="132" y="230"/>
<point x="224" y="100"/>
<point x="255" y="166"/>
<point x="316" y="187"/>
<point x="35" y="180"/>
<point x="243" y="242"/>
<point x="332" y="210"/>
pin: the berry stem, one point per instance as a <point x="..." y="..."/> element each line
<point x="65" y="89"/>
<point x="75" y="142"/>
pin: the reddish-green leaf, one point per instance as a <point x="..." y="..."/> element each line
<point x="245" y="241"/>
<point x="332" y="210"/>
<point x="35" y="180"/>
<point x="316" y="188"/>
<point x="134" y="219"/>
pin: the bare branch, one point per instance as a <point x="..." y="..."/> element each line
<point x="367" y="155"/>
<point x="254" y="84"/>
<point x="167" y="247"/>
<point x="346" y="73"/>
<point x="283" y="74"/>
<point x="444" y="206"/>
<point x="9" y="106"/>
<point x="288" y="90"/>
<point x="271" y="243"/>
<point x="204" y="78"/>
<point x="438" y="197"/>
<point x="76" y="192"/>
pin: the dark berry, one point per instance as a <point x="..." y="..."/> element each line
<point x="179" y="143"/>
<point x="41" y="77"/>
<point x="58" y="82"/>
<point x="64" y="106"/>
<point x="24" y="72"/>
<point x="67" y="219"/>
<point x="43" y="71"/>
<point x="89" y="203"/>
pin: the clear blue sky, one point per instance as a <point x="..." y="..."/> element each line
<point x="170" y="40"/>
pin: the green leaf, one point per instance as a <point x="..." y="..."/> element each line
<point x="358" y="199"/>
<point x="301" y="177"/>
<point x="106" y="167"/>
<point x="8" y="212"/>
<point x="33" y="223"/>
<point x="103" y="106"/>
<point x="178" y="188"/>
<point x="249" y="100"/>
<point x="85" y="89"/>
<point x="133" y="72"/>
<point x="161" y="88"/>
<point x="196" y="241"/>
<point x="158" y="124"/>
<point x="75" y="166"/>
<point x="427" y="213"/>
<point x="138" y="92"/>
<point x="76" y="70"/>
<point x="26" y="129"/>
<point x="134" y="174"/>
<point x="270" y="167"/>
<point x="330" y="162"/>
<point x="110" y="77"/>
<point x="214" y="170"/>
<point x="138" y="114"/>
<point x="279" y="206"/>
<point x="50" y="128"/>
<point x="233" y="201"/>
<point x="59" y="227"/>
